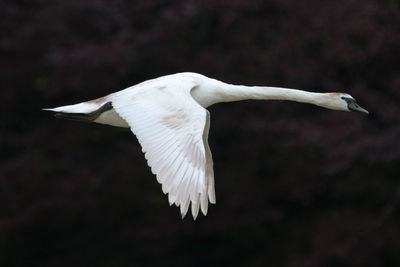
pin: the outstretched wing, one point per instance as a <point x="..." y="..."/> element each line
<point x="172" y="129"/>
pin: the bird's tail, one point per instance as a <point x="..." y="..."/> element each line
<point x="85" y="111"/>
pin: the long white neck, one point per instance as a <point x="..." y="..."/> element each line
<point x="215" y="91"/>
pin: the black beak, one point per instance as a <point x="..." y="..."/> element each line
<point x="352" y="105"/>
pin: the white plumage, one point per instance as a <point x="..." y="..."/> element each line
<point x="169" y="118"/>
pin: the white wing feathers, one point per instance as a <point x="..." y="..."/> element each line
<point x="172" y="129"/>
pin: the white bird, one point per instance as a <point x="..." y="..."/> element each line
<point x="168" y="115"/>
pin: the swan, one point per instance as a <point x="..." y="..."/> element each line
<point x="168" y="115"/>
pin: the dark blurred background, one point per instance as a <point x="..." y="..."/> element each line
<point x="297" y="185"/>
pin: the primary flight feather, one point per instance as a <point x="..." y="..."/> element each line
<point x="168" y="115"/>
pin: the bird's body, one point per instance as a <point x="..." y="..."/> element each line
<point x="169" y="117"/>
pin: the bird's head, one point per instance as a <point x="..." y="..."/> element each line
<point x="342" y="101"/>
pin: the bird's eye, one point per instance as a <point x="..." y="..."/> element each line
<point x="343" y="97"/>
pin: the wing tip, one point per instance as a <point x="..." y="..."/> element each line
<point x="195" y="210"/>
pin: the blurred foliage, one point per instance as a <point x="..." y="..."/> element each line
<point x="297" y="185"/>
